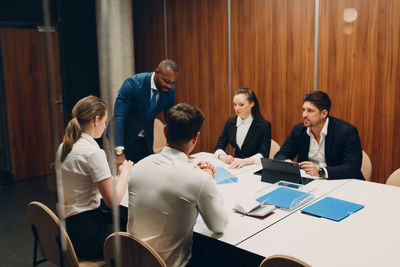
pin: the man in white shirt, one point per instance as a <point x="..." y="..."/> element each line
<point x="166" y="192"/>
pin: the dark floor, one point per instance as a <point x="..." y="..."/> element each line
<point x="16" y="239"/>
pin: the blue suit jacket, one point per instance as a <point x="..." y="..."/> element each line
<point x="131" y="108"/>
<point x="343" y="153"/>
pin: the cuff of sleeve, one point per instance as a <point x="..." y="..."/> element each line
<point x="326" y="172"/>
<point x="219" y="152"/>
<point x="257" y="157"/>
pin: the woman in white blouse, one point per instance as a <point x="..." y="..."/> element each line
<point x="248" y="133"/>
<point x="83" y="169"/>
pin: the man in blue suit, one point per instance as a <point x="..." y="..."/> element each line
<point x="326" y="146"/>
<point x="140" y="99"/>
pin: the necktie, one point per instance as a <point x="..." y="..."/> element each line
<point x="152" y="102"/>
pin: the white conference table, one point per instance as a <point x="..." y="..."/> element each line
<point x="369" y="237"/>
<point x="249" y="185"/>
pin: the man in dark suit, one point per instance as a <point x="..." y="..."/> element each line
<point x="140" y="99"/>
<point x="326" y="146"/>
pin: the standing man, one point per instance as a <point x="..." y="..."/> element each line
<point x="140" y="99"/>
<point x="166" y="193"/>
<point x="326" y="146"/>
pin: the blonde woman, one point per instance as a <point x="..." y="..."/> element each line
<point x="85" y="173"/>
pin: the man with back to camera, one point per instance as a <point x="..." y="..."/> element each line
<point x="326" y="146"/>
<point x="140" y="99"/>
<point x="166" y="192"/>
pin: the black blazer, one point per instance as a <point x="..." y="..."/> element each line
<point x="257" y="140"/>
<point x="343" y="152"/>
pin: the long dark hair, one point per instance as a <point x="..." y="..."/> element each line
<point x="251" y="97"/>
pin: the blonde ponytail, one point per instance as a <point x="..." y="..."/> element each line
<point x="72" y="134"/>
<point x="83" y="112"/>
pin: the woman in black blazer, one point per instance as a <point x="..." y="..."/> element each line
<point x="248" y="132"/>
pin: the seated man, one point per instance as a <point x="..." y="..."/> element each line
<point x="166" y="193"/>
<point x="326" y="146"/>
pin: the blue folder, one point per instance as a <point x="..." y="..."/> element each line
<point x="222" y="176"/>
<point x="284" y="197"/>
<point x="332" y="208"/>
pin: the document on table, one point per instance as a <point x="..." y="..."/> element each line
<point x="332" y="208"/>
<point x="222" y="176"/>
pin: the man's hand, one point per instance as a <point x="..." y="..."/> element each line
<point x="227" y="159"/>
<point x="120" y="160"/>
<point x="310" y="168"/>
<point x="207" y="167"/>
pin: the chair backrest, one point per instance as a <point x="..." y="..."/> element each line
<point x="366" y="166"/>
<point x="282" y="260"/>
<point x="131" y="252"/>
<point x="394" y="178"/>
<point x="274" y="149"/>
<point x="159" y="138"/>
<point x="47" y="227"/>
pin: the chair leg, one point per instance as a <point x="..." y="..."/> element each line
<point x="35" y="248"/>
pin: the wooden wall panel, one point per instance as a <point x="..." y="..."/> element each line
<point x="198" y="42"/>
<point x="273" y="54"/>
<point x="359" y="67"/>
<point x="28" y="112"/>
<point x="148" y="17"/>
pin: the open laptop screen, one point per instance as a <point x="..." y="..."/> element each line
<point x="276" y="170"/>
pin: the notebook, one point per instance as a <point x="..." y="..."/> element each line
<point x="332" y="208"/>
<point x="276" y="170"/>
<point x="222" y="176"/>
<point x="286" y="198"/>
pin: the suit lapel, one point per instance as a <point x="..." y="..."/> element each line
<point x="147" y="89"/>
<point x="329" y="140"/>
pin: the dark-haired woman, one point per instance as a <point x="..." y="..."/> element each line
<point x="248" y="133"/>
<point x="83" y="169"/>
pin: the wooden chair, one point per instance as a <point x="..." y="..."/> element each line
<point x="131" y="252"/>
<point x="274" y="149"/>
<point x="394" y="178"/>
<point x="47" y="230"/>
<point x="366" y="166"/>
<point x="159" y="138"/>
<point x="283" y="261"/>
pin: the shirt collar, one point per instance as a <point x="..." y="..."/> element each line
<point x="90" y="139"/>
<point x="240" y="121"/>
<point x="324" y="130"/>
<point x="175" y="153"/>
<point x="152" y="83"/>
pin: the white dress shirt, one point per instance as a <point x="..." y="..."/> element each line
<point x="316" y="152"/>
<point x="242" y="127"/>
<point x="84" y="166"/>
<point x="166" y="194"/>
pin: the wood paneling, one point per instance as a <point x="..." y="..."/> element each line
<point x="359" y="67"/>
<point x="26" y="89"/>
<point x="198" y="42"/>
<point x="148" y="17"/>
<point x="273" y="54"/>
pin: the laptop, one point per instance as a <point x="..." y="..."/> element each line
<point x="276" y="170"/>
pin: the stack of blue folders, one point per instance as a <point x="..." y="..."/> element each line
<point x="286" y="198"/>
<point x="332" y="208"/>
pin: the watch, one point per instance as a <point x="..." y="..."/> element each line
<point x="321" y="172"/>
<point x="119" y="151"/>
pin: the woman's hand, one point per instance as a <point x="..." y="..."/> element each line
<point x="125" y="168"/>
<point x="239" y="163"/>
<point x="227" y="159"/>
